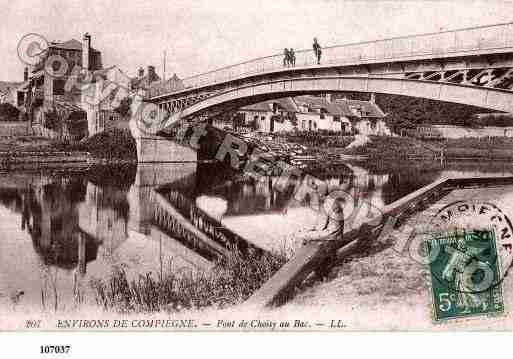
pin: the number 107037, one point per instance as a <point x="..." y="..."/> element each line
<point x="55" y="349"/>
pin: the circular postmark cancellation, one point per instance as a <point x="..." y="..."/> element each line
<point x="478" y="214"/>
<point x="31" y="48"/>
<point x="469" y="247"/>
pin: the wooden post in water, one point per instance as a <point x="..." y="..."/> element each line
<point x="82" y="263"/>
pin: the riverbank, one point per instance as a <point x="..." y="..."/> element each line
<point x="230" y="282"/>
<point x="315" y="149"/>
<point x="109" y="146"/>
<point x="387" y="148"/>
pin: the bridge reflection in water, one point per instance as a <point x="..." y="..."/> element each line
<point x="60" y="230"/>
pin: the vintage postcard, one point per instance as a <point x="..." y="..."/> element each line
<point x="256" y="166"/>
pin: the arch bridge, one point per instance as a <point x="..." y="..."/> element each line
<point x="472" y="66"/>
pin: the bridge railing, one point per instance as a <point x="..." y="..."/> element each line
<point x="435" y="44"/>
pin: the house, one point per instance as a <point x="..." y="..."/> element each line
<point x="367" y="117"/>
<point x="8" y="92"/>
<point x="267" y="116"/>
<point x="108" y="88"/>
<point x="159" y="86"/>
<point x="81" y="100"/>
<point x="53" y="101"/>
<point x="309" y="113"/>
<point x="321" y="113"/>
<point x="142" y="83"/>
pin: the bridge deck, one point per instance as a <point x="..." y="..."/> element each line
<point x="476" y="41"/>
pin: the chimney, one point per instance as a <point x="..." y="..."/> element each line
<point x="373" y="97"/>
<point x="25" y="74"/>
<point x="86" y="50"/>
<point x="140" y="72"/>
<point x="151" y="73"/>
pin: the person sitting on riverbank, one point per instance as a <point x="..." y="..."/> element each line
<point x="329" y="224"/>
<point x="329" y="229"/>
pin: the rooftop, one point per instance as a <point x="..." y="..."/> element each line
<point x="72" y="44"/>
<point x="284" y="104"/>
<point x="67" y="45"/>
<point x="8" y="85"/>
<point x="338" y="107"/>
<point x="170" y="85"/>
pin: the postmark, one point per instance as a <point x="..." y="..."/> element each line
<point x="469" y="243"/>
<point x="478" y="214"/>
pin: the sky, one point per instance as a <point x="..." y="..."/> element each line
<point x="202" y="35"/>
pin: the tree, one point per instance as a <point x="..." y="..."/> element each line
<point x="124" y="107"/>
<point x="8" y="112"/>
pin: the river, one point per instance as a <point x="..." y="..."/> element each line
<point x="62" y="229"/>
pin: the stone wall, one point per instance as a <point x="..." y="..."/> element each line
<point x="449" y="131"/>
<point x="14" y="129"/>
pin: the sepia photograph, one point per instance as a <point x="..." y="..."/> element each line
<point x="255" y="166"/>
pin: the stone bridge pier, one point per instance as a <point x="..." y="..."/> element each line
<point x="153" y="148"/>
<point x="141" y="194"/>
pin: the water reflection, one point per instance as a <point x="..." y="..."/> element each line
<point x="60" y="230"/>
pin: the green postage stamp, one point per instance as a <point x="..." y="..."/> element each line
<point x="466" y="278"/>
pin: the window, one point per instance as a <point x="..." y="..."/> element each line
<point x="21" y="98"/>
<point x="58" y="87"/>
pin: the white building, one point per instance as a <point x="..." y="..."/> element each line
<point x="268" y="116"/>
<point x="319" y="113"/>
<point x="310" y="113"/>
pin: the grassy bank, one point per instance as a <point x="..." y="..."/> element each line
<point x="382" y="147"/>
<point x="489" y="148"/>
<point x="230" y="282"/>
<point x="111" y="145"/>
<point x="394" y="147"/>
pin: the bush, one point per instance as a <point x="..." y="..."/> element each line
<point x="230" y="282"/>
<point x="112" y="144"/>
<point x="124" y="107"/>
<point x="319" y="138"/>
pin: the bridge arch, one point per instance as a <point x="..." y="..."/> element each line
<point x="489" y="98"/>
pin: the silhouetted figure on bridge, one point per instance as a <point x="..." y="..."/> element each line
<point x="317" y="51"/>
<point x="292" y="57"/>
<point x="286" y="57"/>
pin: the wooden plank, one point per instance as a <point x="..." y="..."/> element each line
<point x="310" y="256"/>
<point x="292" y="273"/>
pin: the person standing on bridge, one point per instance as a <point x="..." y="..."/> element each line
<point x="317" y="51"/>
<point x="292" y="56"/>
<point x="286" y="57"/>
